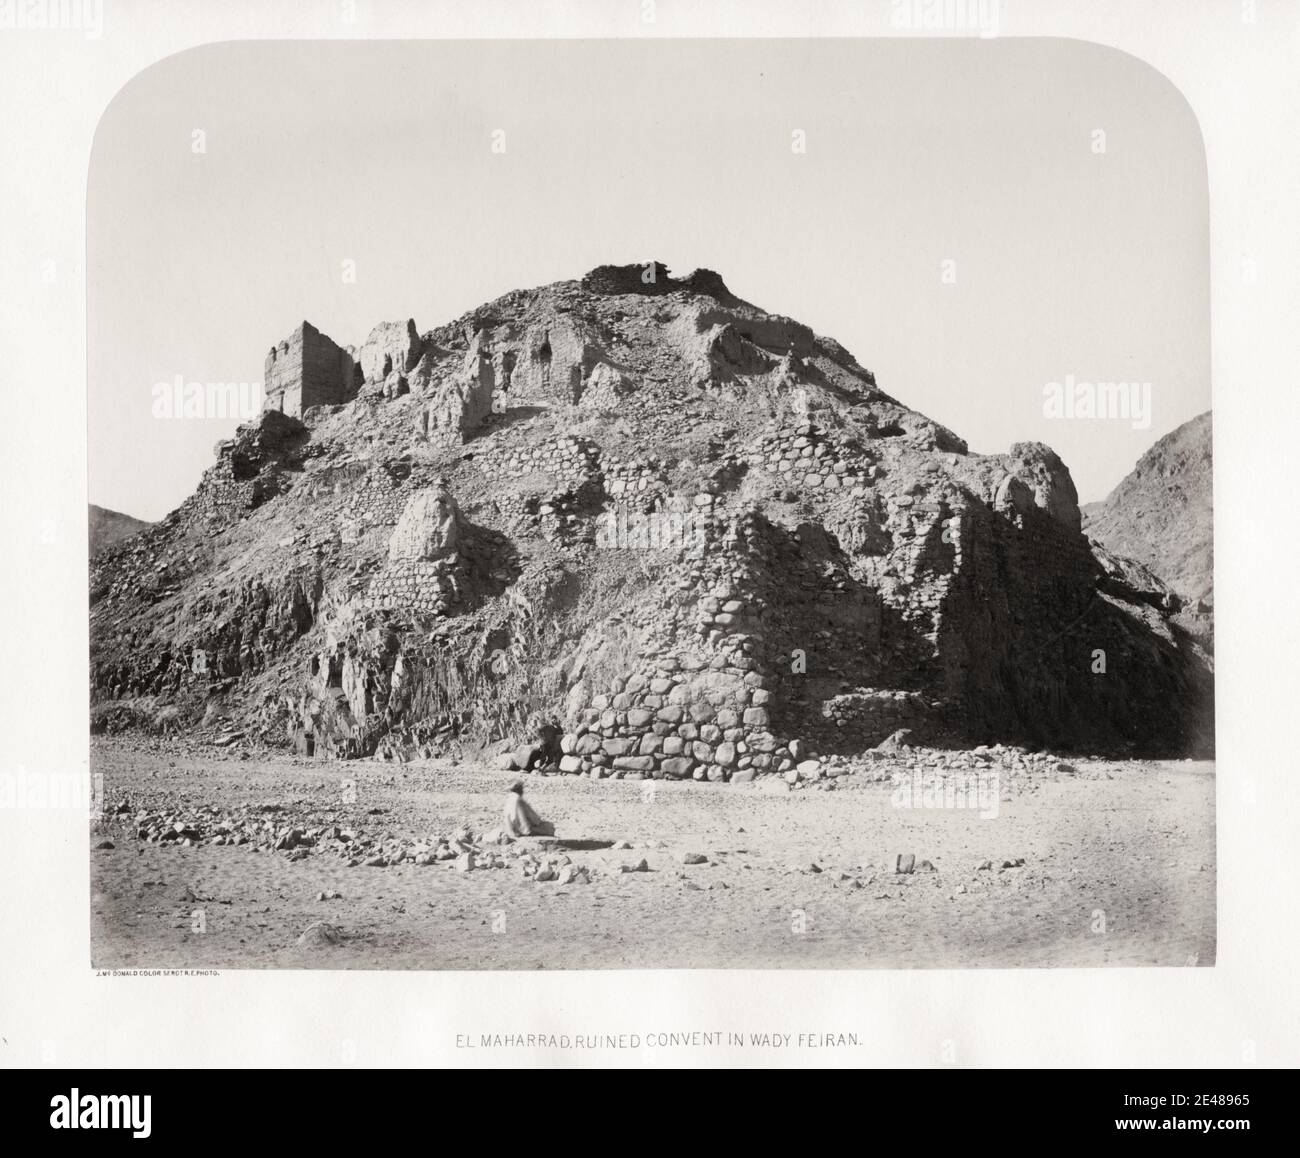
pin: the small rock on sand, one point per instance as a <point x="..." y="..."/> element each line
<point x="319" y="933"/>
<point x="572" y="875"/>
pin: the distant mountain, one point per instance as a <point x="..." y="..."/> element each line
<point x="1162" y="514"/>
<point x="111" y="527"/>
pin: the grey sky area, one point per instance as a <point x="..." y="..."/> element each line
<point x="1076" y="257"/>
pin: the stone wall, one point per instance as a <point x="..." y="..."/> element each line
<point x="418" y="586"/>
<point x="862" y="719"/>
<point x="700" y="703"/>
<point x="569" y="459"/>
<point x="308" y="369"/>
<point x="806" y="456"/>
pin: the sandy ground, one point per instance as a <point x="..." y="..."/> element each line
<point x="1119" y="869"/>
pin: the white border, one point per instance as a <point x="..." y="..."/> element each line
<point x="1243" y="83"/>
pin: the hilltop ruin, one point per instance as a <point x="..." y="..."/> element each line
<point x="410" y="551"/>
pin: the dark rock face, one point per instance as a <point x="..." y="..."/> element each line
<point x="673" y="534"/>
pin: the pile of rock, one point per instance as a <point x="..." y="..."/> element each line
<point x="559" y="869"/>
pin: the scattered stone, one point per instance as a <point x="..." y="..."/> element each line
<point x="895" y="742"/>
<point x="572" y="875"/>
<point x="318" y="934"/>
<point x="694" y="858"/>
<point x="809" y="770"/>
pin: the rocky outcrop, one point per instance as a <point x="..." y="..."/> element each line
<point x="1162" y="516"/>
<point x="429" y="528"/>
<point x="687" y="537"/>
<point x="1162" y="512"/>
<point x="392" y="347"/>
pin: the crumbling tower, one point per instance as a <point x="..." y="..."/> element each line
<point x="308" y="369"/>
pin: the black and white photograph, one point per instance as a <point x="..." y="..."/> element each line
<point x="649" y="535"/>
<point x="836" y="594"/>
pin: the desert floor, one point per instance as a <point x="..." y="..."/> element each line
<point x="1119" y="869"/>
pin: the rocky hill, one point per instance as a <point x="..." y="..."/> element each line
<point x="108" y="527"/>
<point x="634" y="526"/>
<point x="1162" y="516"/>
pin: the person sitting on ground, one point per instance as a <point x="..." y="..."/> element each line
<point x="520" y="818"/>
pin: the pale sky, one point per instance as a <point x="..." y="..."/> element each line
<point x="1069" y="261"/>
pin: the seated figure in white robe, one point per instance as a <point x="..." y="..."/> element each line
<point x="520" y="818"/>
